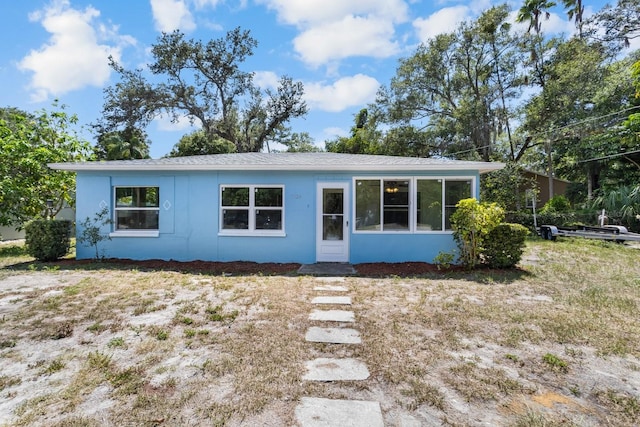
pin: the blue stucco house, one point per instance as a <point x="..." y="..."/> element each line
<point x="276" y="207"/>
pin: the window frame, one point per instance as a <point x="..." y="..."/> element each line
<point x="443" y="180"/>
<point x="382" y="204"/>
<point x="252" y="209"/>
<point x="133" y="232"/>
<point x="413" y="202"/>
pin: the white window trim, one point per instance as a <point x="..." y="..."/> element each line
<point x="443" y="179"/>
<point x="382" y="179"/>
<point x="133" y="232"/>
<point x="413" y="196"/>
<point x="251" y="231"/>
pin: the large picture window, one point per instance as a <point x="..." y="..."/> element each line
<point x="408" y="204"/>
<point x="382" y="205"/>
<point x="252" y="209"/>
<point x="137" y="208"/>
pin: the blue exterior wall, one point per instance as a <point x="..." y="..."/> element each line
<point x="190" y="209"/>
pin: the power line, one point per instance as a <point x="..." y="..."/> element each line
<point x="609" y="157"/>
<point x="590" y="119"/>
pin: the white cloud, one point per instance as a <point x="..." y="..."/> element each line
<point x="557" y="24"/>
<point x="344" y="93"/>
<point x="172" y="15"/>
<point x="166" y="123"/>
<point x="332" y="30"/>
<point x="201" y="4"/>
<point x="351" y="36"/>
<point x="334" y="131"/>
<point x="73" y="58"/>
<point x="301" y="12"/>
<point x="445" y="20"/>
<point x="266" y="79"/>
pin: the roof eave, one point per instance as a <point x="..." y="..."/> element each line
<point x="482" y="167"/>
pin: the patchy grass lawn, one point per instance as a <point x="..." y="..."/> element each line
<point x="556" y="342"/>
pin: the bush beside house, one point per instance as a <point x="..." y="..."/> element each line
<point x="504" y="245"/>
<point x="48" y="240"/>
<point x="483" y="238"/>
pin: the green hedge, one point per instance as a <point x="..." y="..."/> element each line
<point x="48" y="240"/>
<point x="504" y="245"/>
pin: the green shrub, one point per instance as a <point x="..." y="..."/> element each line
<point x="557" y="203"/>
<point x="471" y="222"/>
<point x="444" y="260"/>
<point x="504" y="245"/>
<point x="91" y="233"/>
<point x="48" y="240"/>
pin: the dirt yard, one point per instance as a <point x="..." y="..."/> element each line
<point x="552" y="343"/>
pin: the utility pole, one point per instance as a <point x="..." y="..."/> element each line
<point x="549" y="168"/>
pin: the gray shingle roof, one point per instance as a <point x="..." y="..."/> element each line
<point x="282" y="161"/>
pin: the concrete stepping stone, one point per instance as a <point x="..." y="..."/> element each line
<point x="331" y="279"/>
<point x="329" y="369"/>
<point x="319" y="412"/>
<point x="331" y="300"/>
<point x="332" y="288"/>
<point x="333" y="335"/>
<point x="332" y="316"/>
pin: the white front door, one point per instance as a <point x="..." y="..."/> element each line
<point x="332" y="222"/>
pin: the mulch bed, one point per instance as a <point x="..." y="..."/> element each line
<point x="377" y="269"/>
<point x="204" y="267"/>
<point x="402" y="269"/>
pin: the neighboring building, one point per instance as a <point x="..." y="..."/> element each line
<point x="280" y="207"/>
<point x="542" y="186"/>
<point x="16" y="233"/>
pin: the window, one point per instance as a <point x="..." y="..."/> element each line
<point x="251" y="209"/>
<point x="396" y="205"/>
<point x="429" y="205"/>
<point x="436" y="201"/>
<point x="409" y="205"/>
<point x="382" y="205"/>
<point x="137" y="208"/>
<point x="368" y="204"/>
<point x="454" y="191"/>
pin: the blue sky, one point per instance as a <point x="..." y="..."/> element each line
<point x="342" y="50"/>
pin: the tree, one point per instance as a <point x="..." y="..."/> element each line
<point x="506" y="187"/>
<point x="495" y="30"/>
<point x="457" y="88"/>
<point x="364" y="139"/>
<point x="27" y="144"/>
<point x="205" y="83"/>
<point x="616" y="25"/>
<point x="197" y="143"/>
<point x="298" y="143"/>
<point x="532" y="11"/>
<point x="124" y="144"/>
<point x="575" y="11"/>
<point x="575" y="120"/>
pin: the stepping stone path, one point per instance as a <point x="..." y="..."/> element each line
<point x="333" y="335"/>
<point x="320" y="412"/>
